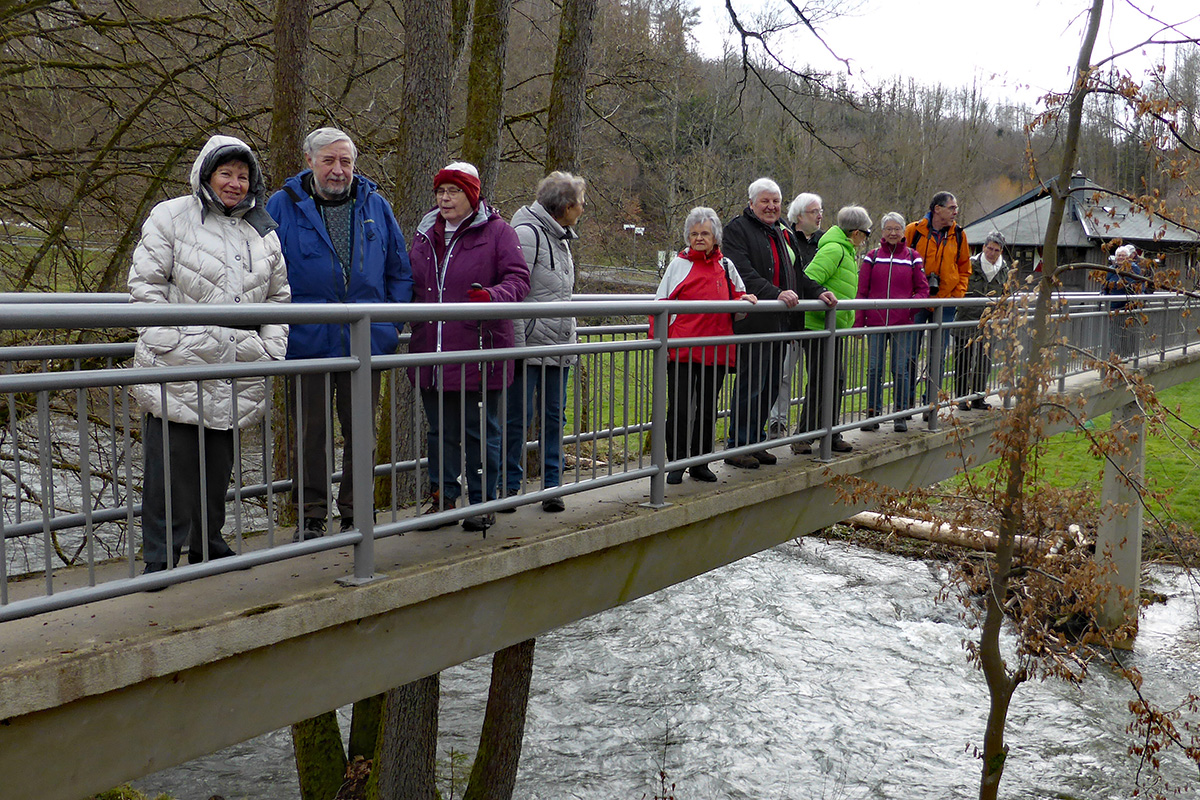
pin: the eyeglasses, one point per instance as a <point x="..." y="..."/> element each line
<point x="866" y="233"/>
<point x="447" y="191"/>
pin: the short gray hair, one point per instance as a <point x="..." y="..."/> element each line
<point x="763" y="185"/>
<point x="802" y="201"/>
<point x="322" y="137"/>
<point x="995" y="236"/>
<point x="892" y="216"/>
<point x="702" y="214"/>
<point x="558" y="191"/>
<point x="1126" y="250"/>
<point x="853" y="218"/>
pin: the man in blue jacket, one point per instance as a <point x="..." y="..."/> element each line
<point x="342" y="245"/>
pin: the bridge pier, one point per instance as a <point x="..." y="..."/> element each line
<point x="1119" y="539"/>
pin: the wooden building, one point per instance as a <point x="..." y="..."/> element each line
<point x="1094" y="222"/>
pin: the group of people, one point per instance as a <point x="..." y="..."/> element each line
<point x="758" y="255"/>
<point x="329" y="236"/>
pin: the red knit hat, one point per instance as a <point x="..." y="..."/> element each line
<point x="462" y="175"/>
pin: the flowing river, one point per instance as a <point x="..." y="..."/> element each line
<point x="816" y="670"/>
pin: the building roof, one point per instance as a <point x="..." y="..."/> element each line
<point x="1094" y="215"/>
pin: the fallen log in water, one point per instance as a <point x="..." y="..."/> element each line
<point x="942" y="533"/>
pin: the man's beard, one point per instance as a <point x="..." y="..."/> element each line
<point x="327" y="193"/>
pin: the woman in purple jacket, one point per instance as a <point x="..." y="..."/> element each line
<point x="889" y="272"/>
<point x="464" y="251"/>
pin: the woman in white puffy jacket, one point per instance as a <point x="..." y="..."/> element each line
<point x="216" y="245"/>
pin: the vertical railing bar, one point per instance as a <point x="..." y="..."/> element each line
<point x="362" y="429"/>
<point x="658" y="415"/>
<point x="85" y="478"/>
<point x="47" y="488"/>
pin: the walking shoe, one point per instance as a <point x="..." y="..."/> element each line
<point x="776" y="430"/>
<point x="900" y="426"/>
<point x="504" y="493"/>
<point x="926" y="416"/>
<point x="479" y="522"/>
<point x="873" y="425"/>
<point x="840" y="445"/>
<point x="314" y="528"/>
<point x="676" y="476"/>
<point x="764" y="457"/>
<point x="980" y="404"/>
<point x="554" y="505"/>
<point x="154" y="566"/>
<point x="434" y="504"/>
<point x="347" y="524"/>
<point x="963" y="405"/>
<point x="744" y="462"/>
<point x="701" y="472"/>
<point x="802" y="448"/>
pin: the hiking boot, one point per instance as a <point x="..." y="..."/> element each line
<point x="763" y="457"/>
<point x="433" y="504"/>
<point x="900" y="426"/>
<point x="479" y="522"/>
<point x="742" y="462"/>
<point x="701" y="472"/>
<point x="802" y="448"/>
<point x="675" y="476"/>
<point x="840" y="445"/>
<point x="979" y="404"/>
<point x="313" y="528"/>
<point x="554" y="505"/>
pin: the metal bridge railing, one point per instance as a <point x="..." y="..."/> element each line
<point x="71" y="437"/>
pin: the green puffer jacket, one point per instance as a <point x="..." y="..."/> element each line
<point x="835" y="267"/>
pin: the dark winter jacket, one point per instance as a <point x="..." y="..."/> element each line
<point x="379" y="273"/>
<point x="890" y="273"/>
<point x="484" y="250"/>
<point x="979" y="286"/>
<point x="755" y="248"/>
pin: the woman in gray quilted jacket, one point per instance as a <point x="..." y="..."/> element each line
<point x="216" y="245"/>
<point x="546" y="229"/>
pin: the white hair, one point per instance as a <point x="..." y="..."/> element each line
<point x="763" y="185"/>
<point x="323" y="137"/>
<point x="802" y="201"/>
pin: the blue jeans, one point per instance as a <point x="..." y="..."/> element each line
<point x="759" y="371"/>
<point x="454" y="426"/>
<point x="902" y="354"/>
<point x="923" y="317"/>
<point x="532" y="380"/>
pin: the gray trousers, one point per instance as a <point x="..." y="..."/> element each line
<point x="315" y="434"/>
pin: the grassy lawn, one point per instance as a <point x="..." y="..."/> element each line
<point x="1171" y="464"/>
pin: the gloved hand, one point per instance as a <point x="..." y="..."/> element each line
<point x="479" y="296"/>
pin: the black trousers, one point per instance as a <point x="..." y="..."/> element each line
<point x="197" y="494"/>
<point x="972" y="365"/>
<point x="314" y="418"/>
<point x="691" y="407"/>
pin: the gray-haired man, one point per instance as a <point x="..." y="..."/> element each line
<point x="342" y="245"/>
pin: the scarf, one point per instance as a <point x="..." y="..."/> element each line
<point x="990" y="269"/>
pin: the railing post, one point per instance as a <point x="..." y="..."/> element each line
<point x="658" y="415"/>
<point x="362" y="433"/>
<point x="831" y="397"/>
<point x="935" y="356"/>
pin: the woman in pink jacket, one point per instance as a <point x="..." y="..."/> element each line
<point x="695" y="374"/>
<point x="889" y="272"/>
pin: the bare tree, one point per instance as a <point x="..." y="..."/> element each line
<point x="564" y="122"/>
<point x="485" y="90"/>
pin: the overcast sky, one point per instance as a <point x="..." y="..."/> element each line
<point x="1019" y="49"/>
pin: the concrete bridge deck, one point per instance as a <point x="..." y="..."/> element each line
<point x="131" y="685"/>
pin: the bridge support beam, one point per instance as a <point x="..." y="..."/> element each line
<point x="1119" y="540"/>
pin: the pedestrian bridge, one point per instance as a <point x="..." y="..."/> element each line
<point x="117" y="682"/>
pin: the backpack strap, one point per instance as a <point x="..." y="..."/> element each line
<point x="537" y="247"/>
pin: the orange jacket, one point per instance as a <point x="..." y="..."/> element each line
<point x="948" y="257"/>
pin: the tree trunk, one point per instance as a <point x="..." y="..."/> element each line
<point x="364" y="727"/>
<point x="320" y="759"/>
<point x="495" y="771"/>
<point x="564" y="122"/>
<point x="289" y="115"/>
<point x="568" y="88"/>
<point x="1001" y="683"/>
<point x="485" y="90"/>
<point x="407" y="758"/>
